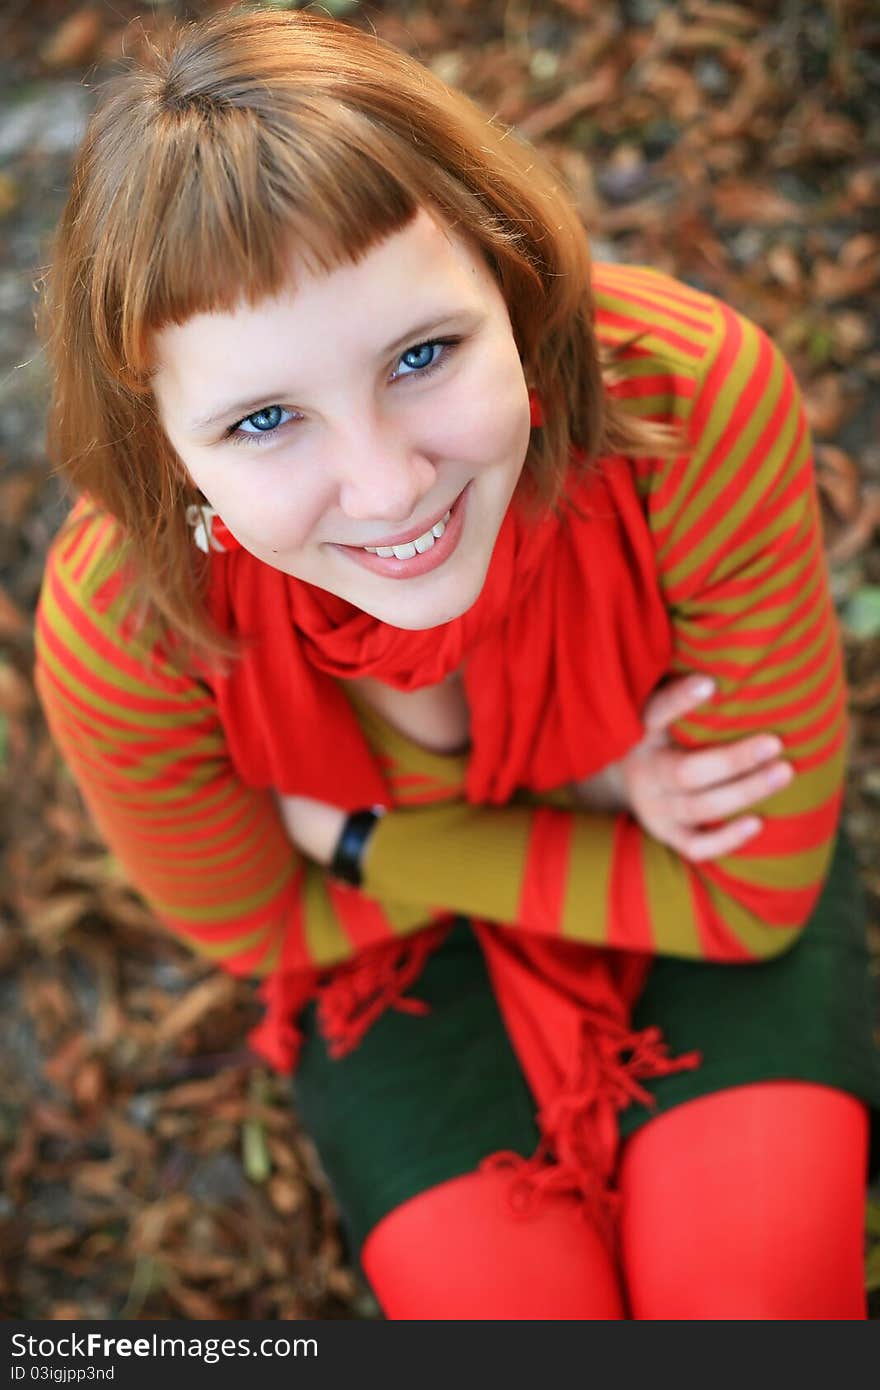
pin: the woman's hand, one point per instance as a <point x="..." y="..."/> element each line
<point x="673" y="791"/>
<point x="313" y="826"/>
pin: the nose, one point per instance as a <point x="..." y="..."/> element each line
<point x="382" y="476"/>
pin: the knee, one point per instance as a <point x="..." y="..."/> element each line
<point x="457" y="1251"/>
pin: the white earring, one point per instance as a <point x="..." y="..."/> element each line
<point x="201" y="518"/>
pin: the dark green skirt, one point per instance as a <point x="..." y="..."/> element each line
<point x="425" y="1098"/>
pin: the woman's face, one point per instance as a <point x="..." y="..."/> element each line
<point x="358" y="408"/>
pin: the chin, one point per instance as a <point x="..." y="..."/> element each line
<point x="419" y="613"/>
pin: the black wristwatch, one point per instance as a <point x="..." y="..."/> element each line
<point x="349" y="852"/>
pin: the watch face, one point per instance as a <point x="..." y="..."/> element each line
<point x="346" y="861"/>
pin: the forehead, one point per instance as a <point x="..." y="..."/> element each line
<point x="416" y="264"/>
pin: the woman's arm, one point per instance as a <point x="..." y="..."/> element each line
<point x="145" y="745"/>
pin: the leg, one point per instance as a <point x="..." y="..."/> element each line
<point x="401" y="1125"/>
<point x="748" y="1204"/>
<point x="457" y="1252"/>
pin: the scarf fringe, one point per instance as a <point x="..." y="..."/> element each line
<point x="276" y="1038"/>
<point x="360" y="990"/>
<point x="577" y="1152"/>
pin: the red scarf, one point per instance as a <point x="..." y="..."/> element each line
<point x="566" y="641"/>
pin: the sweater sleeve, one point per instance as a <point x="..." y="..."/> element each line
<point x="742" y="567"/>
<point x="145" y="745"/>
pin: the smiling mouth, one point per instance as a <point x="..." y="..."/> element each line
<point x="408" y="549"/>
<point x="422" y="537"/>
<point x="417" y="554"/>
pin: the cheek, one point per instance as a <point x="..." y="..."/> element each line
<point x="268" y="503"/>
<point x="489" y="419"/>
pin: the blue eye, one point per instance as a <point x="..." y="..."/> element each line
<point x="265" y="421"/>
<point x="423" y="359"/>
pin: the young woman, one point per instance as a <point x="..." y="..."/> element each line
<point x="442" y="637"/>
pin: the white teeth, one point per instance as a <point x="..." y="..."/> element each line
<point x="411" y="548"/>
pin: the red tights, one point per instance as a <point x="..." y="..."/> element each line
<point x="745" y="1204"/>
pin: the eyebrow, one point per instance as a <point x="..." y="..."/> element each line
<point x="241" y="409"/>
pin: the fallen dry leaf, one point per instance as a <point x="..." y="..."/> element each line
<point x="75" y="41"/>
<point x="742" y="200"/>
<point x="825" y="404"/>
<point x="832" y="280"/>
<point x="212" y="993"/>
<point x="856" y="537"/>
<point x="577" y="99"/>
<point x="838" y="477"/>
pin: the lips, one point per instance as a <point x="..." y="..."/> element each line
<point x="391" y="567"/>
<point x="403" y="537"/>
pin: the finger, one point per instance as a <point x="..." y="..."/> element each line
<point x="697" y="808"/>
<point x="676" y="699"/>
<point x="701" y="845"/>
<point x="695" y="770"/>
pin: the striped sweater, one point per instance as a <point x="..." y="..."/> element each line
<point x="739" y="553"/>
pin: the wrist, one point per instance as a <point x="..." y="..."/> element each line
<point x="605" y="791"/>
<point x="347" y="859"/>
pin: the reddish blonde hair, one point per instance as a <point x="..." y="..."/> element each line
<point x="203" y="163"/>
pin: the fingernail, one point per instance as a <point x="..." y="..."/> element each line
<point x="769" y="747"/>
<point x="703" y="688"/>
<point x="780" y="775"/>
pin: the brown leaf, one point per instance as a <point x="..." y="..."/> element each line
<point x="851" y="332"/>
<point x="863" y="187"/>
<point x="204" y="1093"/>
<point x="286" y="1194"/>
<point x="51" y="919"/>
<point x="742" y="200"/>
<point x="67" y="1312"/>
<point x="213" y="993"/>
<point x="783" y="264"/>
<point x="755" y="89"/>
<point x="59" y="1068"/>
<point x="89" y="1086"/>
<point x="44" y="1243"/>
<point x="860" y="248"/>
<point x="833" y="280"/>
<point x="51" y="1119"/>
<point x="197" y="1264"/>
<point x="191" y="1302"/>
<point x="105" y="1179"/>
<point x="824" y="404"/>
<point x="838" y="477"/>
<point x="126" y="1138"/>
<point x="860" y="533"/>
<point x="580" y="97"/>
<point x="16" y="694"/>
<point x="149" y="1227"/>
<point x="75" y="41"/>
<point x="13" y="619"/>
<point x="22" y="1160"/>
<point x="49" y="1005"/>
<point x="717" y="12"/>
<point x="676" y="88"/>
